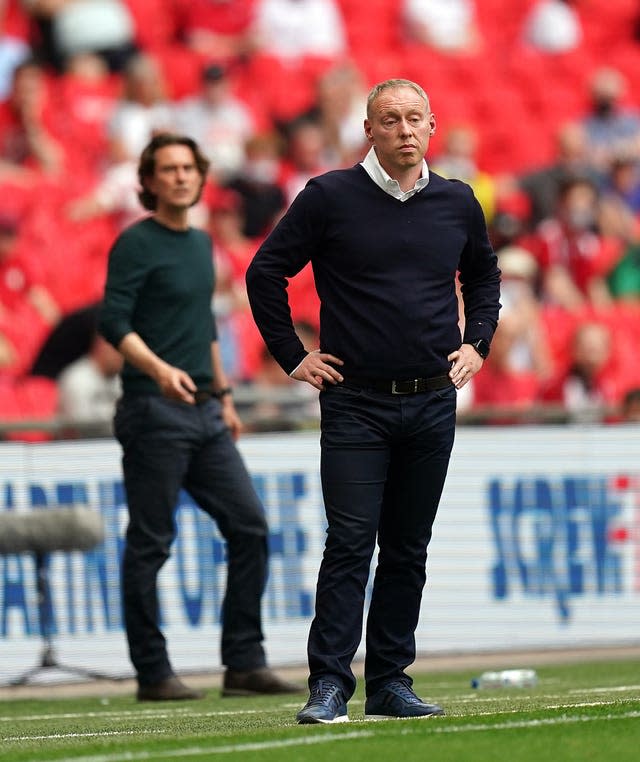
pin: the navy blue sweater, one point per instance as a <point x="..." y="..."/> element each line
<point x="385" y="274"/>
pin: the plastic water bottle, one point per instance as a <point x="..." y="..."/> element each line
<point x="506" y="678"/>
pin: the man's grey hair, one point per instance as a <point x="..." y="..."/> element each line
<point x="388" y="84"/>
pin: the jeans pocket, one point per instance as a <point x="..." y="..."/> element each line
<point x="446" y="393"/>
<point x="341" y="390"/>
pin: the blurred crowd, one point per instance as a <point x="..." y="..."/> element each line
<point x="537" y="106"/>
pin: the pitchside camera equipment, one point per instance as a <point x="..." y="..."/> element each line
<point x="42" y="532"/>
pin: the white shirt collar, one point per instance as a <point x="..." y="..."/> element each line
<point x="383" y="180"/>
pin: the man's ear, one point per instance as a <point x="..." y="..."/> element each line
<point x="367" y="130"/>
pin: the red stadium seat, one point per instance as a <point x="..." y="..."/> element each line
<point x="371" y="25"/>
<point x="283" y="92"/>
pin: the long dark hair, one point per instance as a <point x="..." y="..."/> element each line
<point x="147" y="164"/>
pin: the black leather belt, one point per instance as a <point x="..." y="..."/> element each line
<point x="408" y="386"/>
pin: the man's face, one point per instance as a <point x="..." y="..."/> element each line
<point x="176" y="181"/>
<point x="578" y="209"/>
<point x="399" y="126"/>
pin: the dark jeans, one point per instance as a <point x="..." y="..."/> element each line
<point x="166" y="446"/>
<point x="383" y="467"/>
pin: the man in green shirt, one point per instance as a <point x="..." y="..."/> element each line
<point x="176" y="423"/>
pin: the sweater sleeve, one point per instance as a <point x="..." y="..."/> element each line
<point x="126" y="275"/>
<point x="479" y="279"/>
<point x="287" y="249"/>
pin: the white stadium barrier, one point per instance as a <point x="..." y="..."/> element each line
<point x="536" y="544"/>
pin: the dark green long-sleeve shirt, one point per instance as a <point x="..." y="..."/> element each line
<point x="159" y="284"/>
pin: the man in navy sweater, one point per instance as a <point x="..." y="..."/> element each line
<point x="386" y="239"/>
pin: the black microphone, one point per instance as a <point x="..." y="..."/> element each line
<point x="50" y="529"/>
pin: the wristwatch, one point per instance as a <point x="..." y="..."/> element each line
<point x="482" y="347"/>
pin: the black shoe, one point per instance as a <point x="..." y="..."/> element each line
<point x="397" y="700"/>
<point x="256" y="682"/>
<point x="169" y="689"/>
<point x="326" y="704"/>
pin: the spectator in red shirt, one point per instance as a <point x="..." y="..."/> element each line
<point x="28" y="122"/>
<point x="594" y="380"/>
<point x="574" y="257"/>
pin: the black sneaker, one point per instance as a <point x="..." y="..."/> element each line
<point x="326" y="704"/>
<point x="397" y="700"/>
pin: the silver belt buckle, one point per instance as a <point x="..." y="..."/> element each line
<point x="394" y="388"/>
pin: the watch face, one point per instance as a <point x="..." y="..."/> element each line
<point x="482" y="347"/>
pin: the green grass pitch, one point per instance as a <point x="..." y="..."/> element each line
<point x="578" y="712"/>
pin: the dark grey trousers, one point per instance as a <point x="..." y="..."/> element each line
<point x="167" y="446"/>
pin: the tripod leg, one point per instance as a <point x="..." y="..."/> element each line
<point x="48" y="658"/>
<point x="45" y="619"/>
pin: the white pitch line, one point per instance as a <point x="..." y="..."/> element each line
<point x="125" y="714"/>
<point x="583" y="703"/>
<point x="617" y="689"/>
<point x="100" y="734"/>
<point x="519" y="724"/>
<point x="198" y="751"/>
<point x="573" y="705"/>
